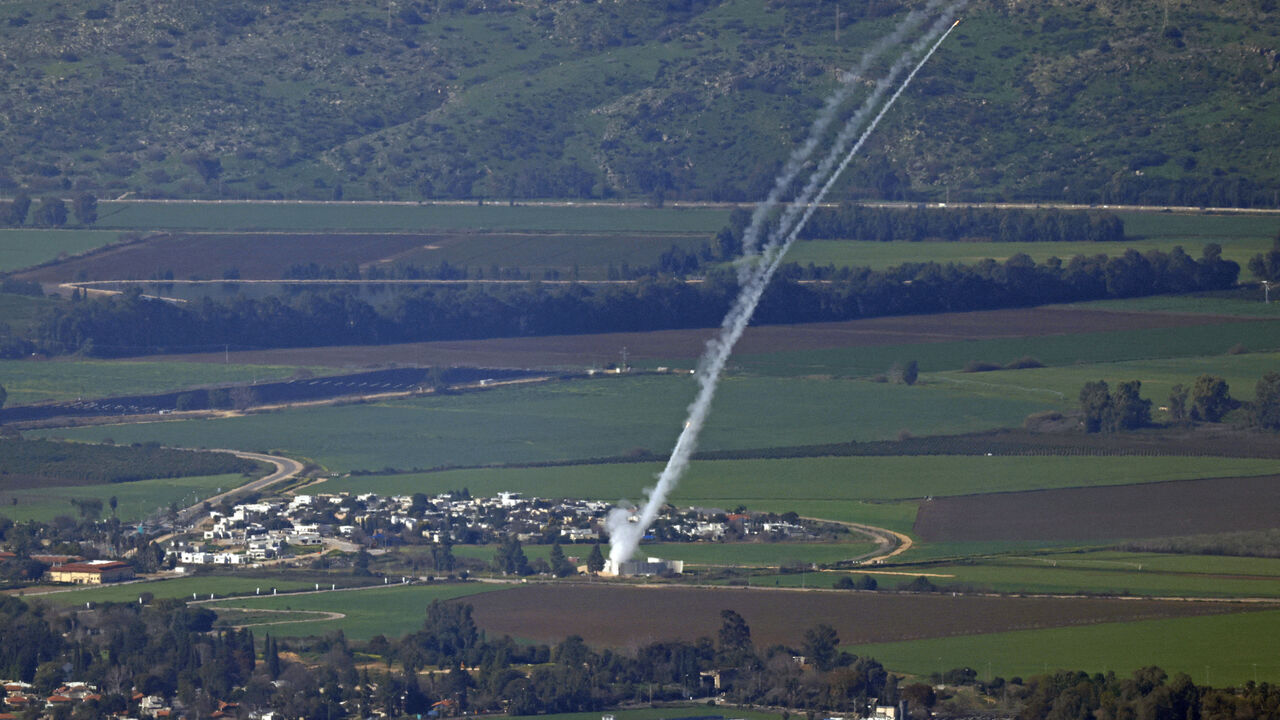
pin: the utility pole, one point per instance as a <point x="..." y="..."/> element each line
<point x="624" y="358"/>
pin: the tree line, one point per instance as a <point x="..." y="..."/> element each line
<point x="170" y="649"/>
<point x="129" y="324"/>
<point x="1207" y="399"/>
<point x="51" y="212"/>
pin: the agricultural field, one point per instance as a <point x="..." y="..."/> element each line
<point x="582" y="419"/>
<point x="705" y="554"/>
<point x="392" y="611"/>
<point x="265" y="256"/>
<point x="620" y="616"/>
<point x="1060" y="574"/>
<point x="1200" y="227"/>
<point x="1158" y="376"/>
<point x="1247" y="301"/>
<point x="221" y="585"/>
<point x="34" y="381"/>
<point x="21" y="312"/>
<point x="1219" y="650"/>
<point x="1241" y="237"/>
<point x="881" y="255"/>
<point x="22" y="248"/>
<point x="137" y="500"/>
<point x="943" y="341"/>
<point x="1102" y="514"/>
<point x="814" y="480"/>
<point x="381" y="217"/>
<point x="1191" y="339"/>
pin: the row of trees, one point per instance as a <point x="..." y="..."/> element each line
<point x="130" y="324"/>
<point x="1208" y="399"/>
<point x="51" y="212"/>
<point x="1148" y="693"/>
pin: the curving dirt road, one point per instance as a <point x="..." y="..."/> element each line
<point x="889" y="543"/>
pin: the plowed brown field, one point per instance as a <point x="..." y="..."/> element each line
<point x="582" y="350"/>
<point x="623" y="616"/>
<point x="1105" y="513"/>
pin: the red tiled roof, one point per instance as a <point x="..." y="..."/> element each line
<point x="59" y="698"/>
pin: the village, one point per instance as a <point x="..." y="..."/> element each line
<point x="278" y="530"/>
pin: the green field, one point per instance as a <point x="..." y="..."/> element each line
<point x="31" y="381"/>
<point x="814" y="480"/>
<point x="701" y="554"/>
<point x="22" y="248"/>
<point x="1241" y="237"/>
<point x="1039" y="575"/>
<point x="1163" y="562"/>
<point x="182" y="587"/>
<point x="1243" y="302"/>
<point x="757" y="554"/>
<point x="1158" y="376"/>
<point x="1216" y="650"/>
<point x="137" y="500"/>
<point x="392" y="611"/>
<point x="583" y="419"/>
<point x="232" y="215"/>
<point x="880" y="255"/>
<point x="21" y="312"/>
<point x="1200" y="227"/>
<point x="1079" y="349"/>
<point x="563" y="252"/>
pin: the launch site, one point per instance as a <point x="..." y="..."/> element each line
<point x="640" y="359"/>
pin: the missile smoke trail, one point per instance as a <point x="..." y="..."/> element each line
<point x="796" y="162"/>
<point x="625" y="532"/>
<point x="807" y="203"/>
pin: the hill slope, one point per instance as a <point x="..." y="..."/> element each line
<point x="698" y="99"/>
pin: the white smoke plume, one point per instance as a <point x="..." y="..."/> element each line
<point x="796" y="162"/>
<point x="626" y="527"/>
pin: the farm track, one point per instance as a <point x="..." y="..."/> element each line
<point x="889" y="543"/>
<point x="322" y="615"/>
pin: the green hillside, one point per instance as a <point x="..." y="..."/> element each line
<point x="693" y="99"/>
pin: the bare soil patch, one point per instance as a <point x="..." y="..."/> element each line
<point x="629" y="616"/>
<point x="560" y="351"/>
<point x="1106" y="513"/>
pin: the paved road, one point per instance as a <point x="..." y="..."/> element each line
<point x="286" y="469"/>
